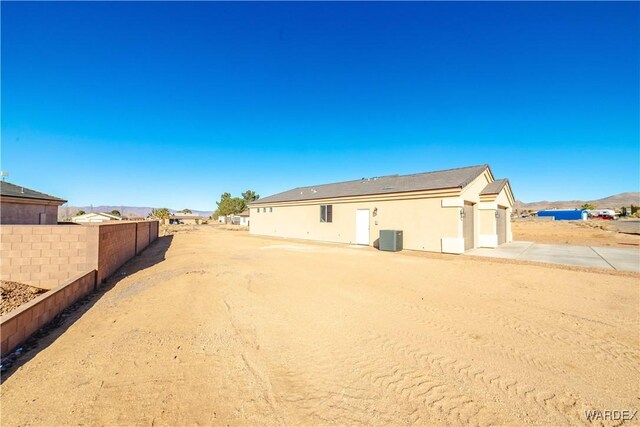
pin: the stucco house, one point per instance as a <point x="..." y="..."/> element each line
<point x="244" y="217"/>
<point x="447" y="211"/>
<point x="95" y="217"/>
<point x="21" y="205"/>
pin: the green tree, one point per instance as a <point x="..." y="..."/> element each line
<point x="161" y="213"/>
<point x="250" y="196"/>
<point x="80" y="212"/>
<point x="588" y="206"/>
<point x="115" y="212"/>
<point x="186" y="211"/>
<point x="230" y="206"/>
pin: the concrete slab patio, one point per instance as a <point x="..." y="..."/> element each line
<point x="583" y="256"/>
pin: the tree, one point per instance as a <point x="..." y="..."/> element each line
<point x="115" y="212"/>
<point x="80" y="212"/>
<point x="162" y="214"/>
<point x="186" y="211"/>
<point x="230" y="206"/>
<point x="250" y="196"/>
<point x="588" y="206"/>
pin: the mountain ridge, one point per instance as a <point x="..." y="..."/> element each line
<point x="126" y="211"/>
<point x="615" y="201"/>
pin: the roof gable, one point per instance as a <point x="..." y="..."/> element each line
<point x="494" y="187"/>
<point x="450" y="178"/>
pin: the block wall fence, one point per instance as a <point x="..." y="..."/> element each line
<point x="22" y="322"/>
<point x="48" y="255"/>
<point x="72" y="259"/>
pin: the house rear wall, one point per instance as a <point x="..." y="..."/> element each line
<point x="424" y="222"/>
<point x="27" y="213"/>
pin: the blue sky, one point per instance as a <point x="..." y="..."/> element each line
<point x="171" y="104"/>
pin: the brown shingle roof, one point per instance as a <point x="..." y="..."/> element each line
<point x="11" y="190"/>
<point x="450" y="178"/>
<point x="494" y="187"/>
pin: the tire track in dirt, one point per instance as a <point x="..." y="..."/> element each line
<point x="609" y="351"/>
<point x="455" y="406"/>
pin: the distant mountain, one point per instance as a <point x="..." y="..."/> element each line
<point x="126" y="211"/>
<point x="612" y="202"/>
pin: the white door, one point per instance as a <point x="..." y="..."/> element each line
<point x="362" y="227"/>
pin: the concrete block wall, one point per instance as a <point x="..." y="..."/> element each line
<point x="117" y="245"/>
<point x="46" y="255"/>
<point x="21" y="323"/>
<point x="100" y="248"/>
<point x="154" y="230"/>
<point x="142" y="236"/>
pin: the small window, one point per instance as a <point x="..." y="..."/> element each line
<point x="326" y="213"/>
<point x="270" y="209"/>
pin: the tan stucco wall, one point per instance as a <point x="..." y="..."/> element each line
<point x="429" y="221"/>
<point x="487" y="208"/>
<point x="424" y="222"/>
<point x="27" y="213"/>
<point x="472" y="191"/>
<point x="487" y="221"/>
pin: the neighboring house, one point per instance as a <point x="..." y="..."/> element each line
<point x="21" y="205"/>
<point x="95" y="217"/>
<point x="444" y="211"/>
<point x="244" y="217"/>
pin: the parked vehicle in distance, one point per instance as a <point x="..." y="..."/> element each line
<point x="602" y="214"/>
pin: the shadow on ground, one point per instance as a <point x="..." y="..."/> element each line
<point x="45" y="336"/>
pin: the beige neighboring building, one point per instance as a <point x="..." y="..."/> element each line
<point x="95" y="217"/>
<point x="444" y="211"/>
<point x="22" y="206"/>
<point x="243" y="217"/>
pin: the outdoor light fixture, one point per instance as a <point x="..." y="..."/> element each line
<point x="461" y="213"/>
<point x="497" y="214"/>
<point x="375" y="211"/>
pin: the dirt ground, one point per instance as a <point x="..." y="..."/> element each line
<point x="584" y="233"/>
<point x="216" y="327"/>
<point x="15" y="294"/>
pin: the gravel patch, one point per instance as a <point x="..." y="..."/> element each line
<point x="15" y="294"/>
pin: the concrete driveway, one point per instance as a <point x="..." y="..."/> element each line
<point x="583" y="256"/>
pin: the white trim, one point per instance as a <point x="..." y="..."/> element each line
<point x="488" y="240"/>
<point x="452" y="202"/>
<point x="453" y="245"/>
<point x="487" y="206"/>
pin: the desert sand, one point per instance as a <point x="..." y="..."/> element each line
<point x="216" y="327"/>
<point x="583" y="233"/>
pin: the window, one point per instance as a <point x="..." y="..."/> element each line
<point x="326" y="213"/>
<point x="270" y="209"/>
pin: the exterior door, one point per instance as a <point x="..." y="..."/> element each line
<point x="467" y="227"/>
<point x="501" y="225"/>
<point x="362" y="227"/>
